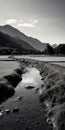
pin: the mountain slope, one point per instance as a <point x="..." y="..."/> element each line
<point x="13" y="32"/>
<point x="37" y="44"/>
<point x="20" y="46"/>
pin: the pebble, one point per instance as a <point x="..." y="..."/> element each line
<point x="16" y="109"/>
<point x="19" y="98"/>
<point x="1" y="114"/>
<point x="7" y="111"/>
<point x="1" y="106"/>
<point x="42" y="78"/>
<point x="17" y="120"/>
<point x="36" y="90"/>
<point x="29" y="87"/>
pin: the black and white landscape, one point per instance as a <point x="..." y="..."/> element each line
<point x="32" y="65"/>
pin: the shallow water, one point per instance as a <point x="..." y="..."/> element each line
<point x="31" y="78"/>
<point x="31" y="115"/>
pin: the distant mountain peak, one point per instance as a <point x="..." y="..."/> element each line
<point x="54" y="45"/>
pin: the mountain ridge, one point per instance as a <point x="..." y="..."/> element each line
<point x="13" y="32"/>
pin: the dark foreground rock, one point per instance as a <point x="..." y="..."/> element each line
<point x="9" y="82"/>
<point x="19" y="71"/>
<point x="6" y="90"/>
<point x="13" y="79"/>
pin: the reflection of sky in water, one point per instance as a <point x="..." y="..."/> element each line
<point x="32" y="77"/>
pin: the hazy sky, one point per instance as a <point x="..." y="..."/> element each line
<point x="43" y="19"/>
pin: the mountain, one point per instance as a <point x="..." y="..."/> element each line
<point x="54" y="45"/>
<point x="13" y="32"/>
<point x="37" y="44"/>
<point x="9" y="44"/>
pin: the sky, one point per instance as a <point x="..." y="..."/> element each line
<point x="41" y="19"/>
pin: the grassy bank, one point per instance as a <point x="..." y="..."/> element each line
<point x="10" y="76"/>
<point x="52" y="92"/>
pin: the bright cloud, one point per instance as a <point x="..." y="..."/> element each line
<point x="21" y="23"/>
<point x="35" y="21"/>
<point x="11" y="21"/>
<point x="26" y="25"/>
<point x="30" y="24"/>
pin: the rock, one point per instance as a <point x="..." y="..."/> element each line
<point x="7" y="111"/>
<point x="1" y="106"/>
<point x="29" y="87"/>
<point x="36" y="90"/>
<point x="19" y="71"/>
<point x="42" y="78"/>
<point x="17" y="120"/>
<point x="19" y="98"/>
<point x="16" y="109"/>
<point x="13" y="79"/>
<point x="6" y="90"/>
<point x="1" y="114"/>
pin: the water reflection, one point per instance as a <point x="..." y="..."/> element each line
<point x="31" y="78"/>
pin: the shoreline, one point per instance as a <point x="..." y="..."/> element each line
<point x="51" y="92"/>
<point x="9" y="81"/>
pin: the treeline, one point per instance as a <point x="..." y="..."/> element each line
<point x="59" y="50"/>
<point x="10" y="45"/>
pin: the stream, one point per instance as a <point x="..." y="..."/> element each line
<point x="31" y="115"/>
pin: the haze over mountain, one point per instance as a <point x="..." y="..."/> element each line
<point x="13" y="32"/>
<point x="54" y="45"/>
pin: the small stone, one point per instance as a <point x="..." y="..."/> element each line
<point x="7" y="111"/>
<point x="36" y="90"/>
<point x="42" y="78"/>
<point x="1" y="114"/>
<point x="16" y="109"/>
<point x="29" y="87"/>
<point x="1" y="106"/>
<point x="19" y="97"/>
<point x="49" y="121"/>
<point x="17" y="120"/>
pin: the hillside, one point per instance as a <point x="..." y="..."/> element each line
<point x="18" y="46"/>
<point x="13" y="32"/>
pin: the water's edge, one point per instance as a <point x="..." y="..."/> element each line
<point x="52" y="92"/>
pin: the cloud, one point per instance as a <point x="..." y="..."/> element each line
<point x="21" y="23"/>
<point x="35" y="21"/>
<point x="21" y="20"/>
<point x="26" y="25"/>
<point x="30" y="24"/>
<point x="11" y="21"/>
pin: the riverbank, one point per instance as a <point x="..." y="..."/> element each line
<point x="52" y="92"/>
<point x="51" y="95"/>
<point x="23" y="111"/>
<point x="10" y="76"/>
